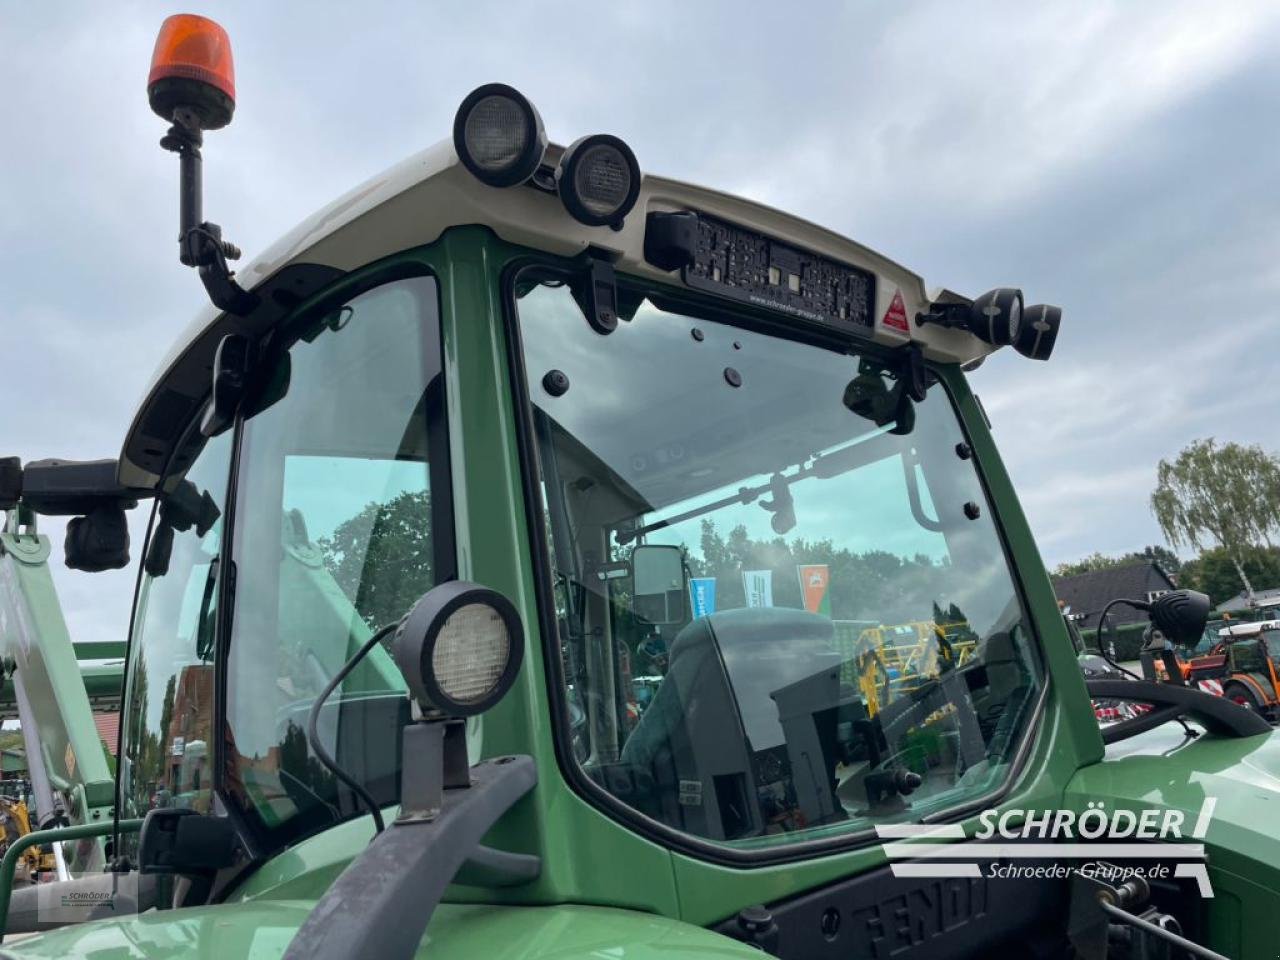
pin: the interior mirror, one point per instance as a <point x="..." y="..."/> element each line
<point x="1181" y="615"/>
<point x="658" y="573"/>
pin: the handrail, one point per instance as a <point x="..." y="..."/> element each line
<point x="9" y="864"/>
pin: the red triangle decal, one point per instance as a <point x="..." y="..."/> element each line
<point x="896" y="315"/>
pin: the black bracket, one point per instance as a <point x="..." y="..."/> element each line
<point x="915" y="375"/>
<point x="950" y="316"/>
<point x="1170" y="702"/>
<point x="601" y="296"/>
<point x="381" y="903"/>
<point x="200" y="243"/>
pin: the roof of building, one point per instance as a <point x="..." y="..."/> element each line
<point x="108" y="725"/>
<point x="1261" y="598"/>
<point x="1085" y="594"/>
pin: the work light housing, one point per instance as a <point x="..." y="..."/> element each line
<point x="459" y="648"/>
<point x="499" y="136"/>
<point x="599" y="180"/>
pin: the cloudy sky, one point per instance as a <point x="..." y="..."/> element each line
<point x="1120" y="159"/>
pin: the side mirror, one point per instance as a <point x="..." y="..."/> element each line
<point x="658" y="593"/>
<point x="1181" y="615"/>
<point x="98" y="541"/>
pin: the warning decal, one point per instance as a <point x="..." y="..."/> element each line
<point x="1210" y="686"/>
<point x="896" y="316"/>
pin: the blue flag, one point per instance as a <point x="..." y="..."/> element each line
<point x="702" y="596"/>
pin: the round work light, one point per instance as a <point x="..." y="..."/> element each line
<point x="499" y="135"/>
<point x="460" y="648"/>
<point x="599" y="180"/>
<point x="1039" y="332"/>
<point x="997" y="316"/>
<point x="191" y="67"/>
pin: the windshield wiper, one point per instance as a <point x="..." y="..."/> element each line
<point x="868" y="449"/>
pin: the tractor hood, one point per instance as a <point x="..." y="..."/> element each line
<point x="263" y="929"/>
<point x="1165" y="769"/>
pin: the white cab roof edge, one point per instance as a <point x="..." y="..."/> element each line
<point x="412" y="203"/>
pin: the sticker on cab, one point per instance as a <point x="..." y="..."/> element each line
<point x="896" y="316"/>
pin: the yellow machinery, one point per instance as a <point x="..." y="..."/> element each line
<point x="16" y="822"/>
<point x="889" y="661"/>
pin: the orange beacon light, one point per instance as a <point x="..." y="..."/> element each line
<point x="192" y="68"/>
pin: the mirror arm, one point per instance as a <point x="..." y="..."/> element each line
<point x="1217" y="714"/>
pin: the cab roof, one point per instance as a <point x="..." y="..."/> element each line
<point x="412" y="204"/>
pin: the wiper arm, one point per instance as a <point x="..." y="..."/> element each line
<point x="825" y="466"/>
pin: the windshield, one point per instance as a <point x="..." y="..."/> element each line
<point x="837" y="638"/>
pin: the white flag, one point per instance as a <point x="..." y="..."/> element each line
<point x="758" y="585"/>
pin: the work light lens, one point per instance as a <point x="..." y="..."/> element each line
<point x="602" y="180"/>
<point x="499" y="135"/>
<point x="496" y="131"/>
<point x="471" y="653"/>
<point x="599" y="180"/>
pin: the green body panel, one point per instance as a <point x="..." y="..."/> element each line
<point x="258" y="931"/>
<point x="1164" y="769"/>
<point x="34" y="637"/>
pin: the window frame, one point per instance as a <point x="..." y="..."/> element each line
<point x="547" y="267"/>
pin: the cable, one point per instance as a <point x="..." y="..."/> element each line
<point x="1102" y="623"/>
<point x="313" y="738"/>
<point x="1124" y="916"/>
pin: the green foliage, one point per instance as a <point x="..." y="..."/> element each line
<point x="1226" y="496"/>
<point x="875" y="585"/>
<point x="1214" y="572"/>
<point x="382" y="557"/>
<point x="1168" y="560"/>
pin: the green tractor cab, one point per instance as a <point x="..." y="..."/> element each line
<point x="522" y="528"/>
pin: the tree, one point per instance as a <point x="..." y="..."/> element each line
<point x="1214" y="572"/>
<point x="381" y="557"/>
<point x="875" y="586"/>
<point x="1095" y="561"/>
<point x="1227" y="495"/>
<point x="1168" y="560"/>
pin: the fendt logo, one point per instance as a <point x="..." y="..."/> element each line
<point x="1114" y="845"/>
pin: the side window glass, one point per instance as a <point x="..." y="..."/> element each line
<point x="337" y="533"/>
<point x="168" y="711"/>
